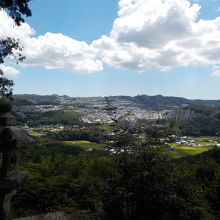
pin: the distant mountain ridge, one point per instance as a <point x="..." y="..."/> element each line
<point x="33" y="99"/>
<point x="162" y="102"/>
<point x="157" y="102"/>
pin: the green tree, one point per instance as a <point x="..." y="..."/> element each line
<point x="122" y="137"/>
<point x="145" y="184"/>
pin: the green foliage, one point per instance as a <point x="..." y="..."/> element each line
<point x="61" y="177"/>
<point x="86" y="145"/>
<point x="142" y="184"/>
<point x="32" y="99"/>
<point x="111" y="110"/>
<point x="27" y="99"/>
<point x="184" y="151"/>
<point x="160" y="102"/>
<point x="52" y="118"/>
<point x="21" y="102"/>
<point x="121" y="135"/>
<point x="89" y="134"/>
<point x="123" y="140"/>
<point x="146" y="185"/>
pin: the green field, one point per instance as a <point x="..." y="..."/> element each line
<point x="205" y="138"/>
<point x="206" y="143"/>
<point x="86" y="145"/>
<point x="184" y="151"/>
<point x="34" y="133"/>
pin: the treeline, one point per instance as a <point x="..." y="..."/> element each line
<point x="144" y="184"/>
<point x="29" y="99"/>
<point x="61" y="177"/>
<point x="34" y="119"/>
<point x="93" y="134"/>
<point x="157" y="102"/>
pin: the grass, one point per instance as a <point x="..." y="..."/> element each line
<point x="184" y="151"/>
<point x="86" y="145"/>
<point x="34" y="133"/>
<point x="37" y="132"/>
<point x="206" y="143"/>
<point x="47" y="129"/>
<point x="205" y="138"/>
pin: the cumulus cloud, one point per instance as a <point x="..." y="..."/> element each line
<point x="9" y="71"/>
<point x="51" y="51"/>
<point x="155" y="23"/>
<point x="54" y="51"/>
<point x="159" y="34"/>
<point x="216" y="72"/>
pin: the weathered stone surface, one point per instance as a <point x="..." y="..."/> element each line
<point x="11" y="139"/>
<point x="49" y="216"/>
<point x="13" y="181"/>
<point x="7" y="119"/>
<point x="64" y="216"/>
<point x="12" y="134"/>
<point x="5" y="202"/>
<point x="5" y="105"/>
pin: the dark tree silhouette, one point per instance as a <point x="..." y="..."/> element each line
<point x="15" y="9"/>
<point x="5" y="86"/>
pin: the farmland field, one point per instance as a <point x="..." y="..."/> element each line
<point x="86" y="145"/>
<point x="35" y="133"/>
<point x="184" y="151"/>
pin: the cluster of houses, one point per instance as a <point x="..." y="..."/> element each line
<point x="185" y="141"/>
<point x="42" y="130"/>
<point x="37" y="108"/>
<point x="100" y="116"/>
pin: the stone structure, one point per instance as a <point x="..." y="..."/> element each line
<point x="11" y="139"/>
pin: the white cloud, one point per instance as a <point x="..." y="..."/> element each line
<point x="153" y="24"/>
<point x="9" y="29"/>
<point x="9" y="71"/>
<point x="51" y="51"/>
<point x="148" y="34"/>
<point x="54" y="51"/>
<point x="160" y="34"/>
<point x="216" y="72"/>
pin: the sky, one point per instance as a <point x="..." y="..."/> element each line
<point x="117" y="47"/>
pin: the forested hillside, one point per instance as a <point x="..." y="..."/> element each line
<point x="157" y="102"/>
<point x="146" y="184"/>
<point x="206" y="122"/>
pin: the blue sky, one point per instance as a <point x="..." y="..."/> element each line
<point x="113" y="64"/>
